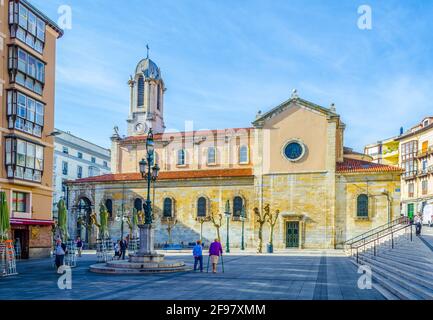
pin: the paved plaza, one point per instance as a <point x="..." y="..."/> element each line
<point x="309" y="275"/>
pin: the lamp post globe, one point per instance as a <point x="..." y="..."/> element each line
<point x="142" y="164"/>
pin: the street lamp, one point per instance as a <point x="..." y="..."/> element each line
<point x="148" y="171"/>
<point x="227" y="214"/>
<point x="243" y="223"/>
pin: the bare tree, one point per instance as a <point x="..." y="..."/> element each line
<point x="202" y="220"/>
<point x="272" y="220"/>
<point x="216" y="219"/>
<point x="261" y="220"/>
<point x="171" y="222"/>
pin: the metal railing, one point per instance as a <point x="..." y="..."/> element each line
<point x="374" y="237"/>
<point x="385" y="227"/>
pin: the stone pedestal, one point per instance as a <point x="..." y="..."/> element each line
<point x="146" y="260"/>
<point x="147" y="239"/>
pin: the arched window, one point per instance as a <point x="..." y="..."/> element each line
<point x="168" y="208"/>
<point x="211" y="155"/>
<point x="238" y="203"/>
<point x="138" y="204"/>
<point x="140" y="91"/>
<point x="158" y="97"/>
<point x="201" y="207"/>
<point x="362" y="206"/>
<point x="109" y="206"/>
<point x="181" y="157"/>
<point x="243" y="154"/>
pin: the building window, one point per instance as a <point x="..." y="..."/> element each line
<point x="80" y="155"/>
<point x="20" y="201"/>
<point x="140" y="91"/>
<point x="362" y="206"/>
<point x="79" y="172"/>
<point x="65" y="150"/>
<point x="201" y="207"/>
<point x="138" y="204"/>
<point x="24" y="113"/>
<point x="93" y="171"/>
<point x="424" y="186"/>
<point x="411" y="188"/>
<point x="24" y="160"/>
<point x="408" y="158"/>
<point x="238" y="204"/>
<point x="105" y="164"/>
<point x="243" y="154"/>
<point x="93" y="160"/>
<point x="426" y="123"/>
<point x="109" y="206"/>
<point x="26" y="70"/>
<point x="26" y="26"/>
<point x="158" y="97"/>
<point x="168" y="208"/>
<point x="65" y="168"/>
<point x="211" y="155"/>
<point x="181" y="157"/>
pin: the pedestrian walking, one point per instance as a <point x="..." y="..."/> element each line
<point x="79" y="244"/>
<point x="117" y="249"/>
<point x="123" y="246"/>
<point x="418" y="224"/>
<point x="197" y="252"/>
<point x="60" y="252"/>
<point x="215" y="250"/>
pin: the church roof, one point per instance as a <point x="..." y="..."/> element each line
<point x="355" y="166"/>
<point x="171" y="175"/>
<point x="149" y="69"/>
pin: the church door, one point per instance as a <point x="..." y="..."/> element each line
<point x="292" y="234"/>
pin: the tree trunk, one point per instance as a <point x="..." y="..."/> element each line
<point x="260" y="244"/>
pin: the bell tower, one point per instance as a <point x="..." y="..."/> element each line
<point x="147" y="99"/>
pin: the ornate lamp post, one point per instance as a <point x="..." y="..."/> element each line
<point x="243" y="223"/>
<point x="227" y="214"/>
<point x="150" y="173"/>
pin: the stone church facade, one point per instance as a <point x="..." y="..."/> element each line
<point x="292" y="158"/>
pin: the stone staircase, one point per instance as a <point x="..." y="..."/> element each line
<point x="401" y="265"/>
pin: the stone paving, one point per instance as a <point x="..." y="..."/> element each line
<point x="292" y="275"/>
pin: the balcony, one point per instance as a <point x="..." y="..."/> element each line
<point x="425" y="152"/>
<point x="423" y="172"/>
<point x="390" y="153"/>
<point x="410" y="175"/>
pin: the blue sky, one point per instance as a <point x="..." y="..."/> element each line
<point x="222" y="61"/>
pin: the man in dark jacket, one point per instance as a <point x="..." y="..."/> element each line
<point x="123" y="246"/>
<point x="60" y="252"/>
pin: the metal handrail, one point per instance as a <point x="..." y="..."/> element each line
<point x="374" y="241"/>
<point x="376" y="230"/>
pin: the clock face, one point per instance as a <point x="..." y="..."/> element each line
<point x="140" y="128"/>
<point x="294" y="150"/>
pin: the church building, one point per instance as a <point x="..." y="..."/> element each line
<point x="291" y="158"/>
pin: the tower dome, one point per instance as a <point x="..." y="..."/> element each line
<point x="149" y="69"/>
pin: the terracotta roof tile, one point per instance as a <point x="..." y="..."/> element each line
<point x="171" y="175"/>
<point x="354" y="166"/>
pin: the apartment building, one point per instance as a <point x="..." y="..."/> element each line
<point x="27" y="75"/>
<point x="416" y="158"/>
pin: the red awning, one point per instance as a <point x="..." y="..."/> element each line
<point x="34" y="222"/>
